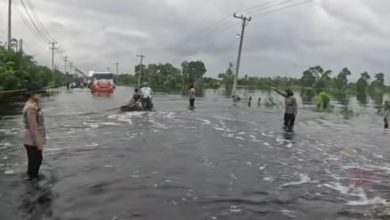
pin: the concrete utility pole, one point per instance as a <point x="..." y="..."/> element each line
<point x="117" y="68"/>
<point x="53" y="48"/>
<point x="65" y="63"/>
<point x="21" y="45"/>
<point x="140" y="71"/>
<point x="245" y="21"/>
<point x="70" y="67"/>
<point x="9" y="24"/>
<point x="116" y="72"/>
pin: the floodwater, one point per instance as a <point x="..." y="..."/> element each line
<point x="220" y="161"/>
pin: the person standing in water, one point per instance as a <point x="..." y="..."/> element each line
<point x="191" y="93"/>
<point x="34" y="138"/>
<point x="291" y="108"/>
<point x="386" y="113"/>
<point x="146" y="95"/>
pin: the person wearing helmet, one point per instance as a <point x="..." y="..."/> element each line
<point x="291" y="108"/>
<point x="146" y="95"/>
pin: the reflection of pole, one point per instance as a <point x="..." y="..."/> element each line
<point x="9" y="24"/>
<point x="140" y="71"/>
<point x="244" y="23"/>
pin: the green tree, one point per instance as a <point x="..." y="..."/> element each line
<point x="311" y="75"/>
<point x="228" y="77"/>
<point x="362" y="87"/>
<point x="379" y="80"/>
<point x="377" y="88"/>
<point x="18" y="71"/>
<point x="341" y="81"/>
<point x="193" y="71"/>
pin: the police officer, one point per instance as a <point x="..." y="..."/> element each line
<point x="34" y="138"/>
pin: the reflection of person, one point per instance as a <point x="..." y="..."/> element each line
<point x="291" y="107"/>
<point x="191" y="93"/>
<point x="386" y="113"/>
<point x="35" y="135"/>
<point x="146" y="95"/>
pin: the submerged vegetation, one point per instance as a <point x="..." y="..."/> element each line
<point x="323" y="101"/>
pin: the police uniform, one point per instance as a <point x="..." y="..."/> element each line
<point x="34" y="137"/>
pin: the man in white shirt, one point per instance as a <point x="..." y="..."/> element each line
<point x="146" y="91"/>
<point x="146" y="95"/>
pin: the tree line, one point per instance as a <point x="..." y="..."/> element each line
<point x="19" y="71"/>
<point x="168" y="77"/>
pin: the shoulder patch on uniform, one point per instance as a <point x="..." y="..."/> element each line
<point x="33" y="108"/>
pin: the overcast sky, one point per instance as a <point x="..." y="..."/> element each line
<point x="97" y="33"/>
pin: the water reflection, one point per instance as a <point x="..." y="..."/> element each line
<point x="103" y="94"/>
<point x="37" y="199"/>
<point x="289" y="135"/>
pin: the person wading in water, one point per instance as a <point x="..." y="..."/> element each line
<point x="34" y="134"/>
<point x="191" y="93"/>
<point x="146" y="96"/>
<point x="386" y="113"/>
<point x="291" y="108"/>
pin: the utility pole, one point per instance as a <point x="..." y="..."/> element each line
<point x="21" y="45"/>
<point x="53" y="48"/>
<point x="116" y="72"/>
<point x="9" y="24"/>
<point x="70" y="67"/>
<point x="117" y="67"/>
<point x="65" y="63"/>
<point x="245" y="21"/>
<point x="140" y="71"/>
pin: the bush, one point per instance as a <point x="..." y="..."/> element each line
<point x="323" y="101"/>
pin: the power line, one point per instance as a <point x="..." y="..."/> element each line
<point x="33" y="22"/>
<point x="266" y="6"/>
<point x="37" y="18"/>
<point x="225" y="23"/>
<point x="28" y="25"/>
<point x="286" y="7"/>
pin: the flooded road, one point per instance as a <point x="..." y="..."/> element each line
<point x="220" y="161"/>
